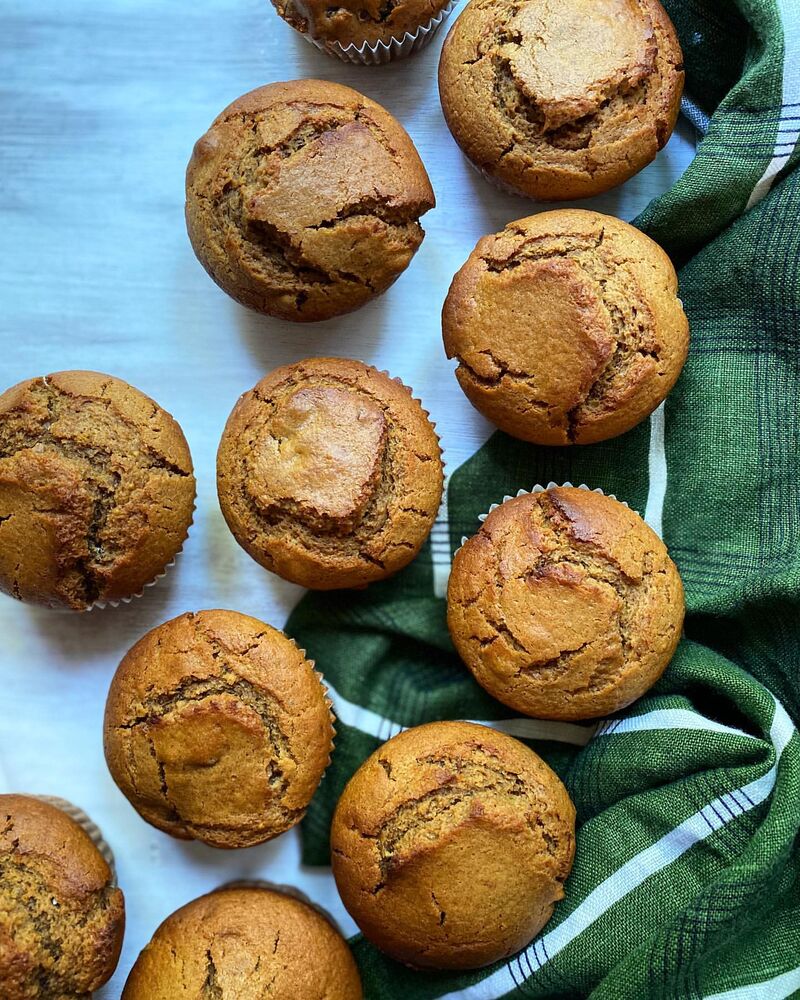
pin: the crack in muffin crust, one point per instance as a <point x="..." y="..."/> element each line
<point x="565" y="605"/>
<point x="61" y="918"/>
<point x="462" y="827"/>
<point x="476" y="778"/>
<point x="245" y="941"/>
<point x="107" y="470"/>
<point x="571" y="99"/>
<point x="202" y="692"/>
<point x="313" y="531"/>
<point x="284" y="249"/>
<point x="303" y="200"/>
<point x="329" y="473"/>
<point x="566" y="327"/>
<point x="218" y="729"/>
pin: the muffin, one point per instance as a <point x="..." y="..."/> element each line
<point x="217" y="728"/>
<point x="451" y="844"/>
<point x="565" y="605"/>
<point x="329" y="473"/>
<point x="566" y="327"/>
<point x="61" y="916"/>
<point x="303" y="200"/>
<point x="96" y="490"/>
<point x="369" y="33"/>
<point x="246" y="943"/>
<point x="561" y="100"/>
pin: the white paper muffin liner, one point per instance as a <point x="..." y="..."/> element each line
<point x="410" y="391"/>
<point x="541" y="489"/>
<point x="443" y="498"/>
<point x="327" y="698"/>
<point x="439" y="533"/>
<point x="86" y="824"/>
<point x="380" y="52"/>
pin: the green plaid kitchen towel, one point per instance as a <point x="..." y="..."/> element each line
<point x="685" y="882"/>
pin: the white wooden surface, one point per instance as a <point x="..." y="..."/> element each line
<point x="100" y="103"/>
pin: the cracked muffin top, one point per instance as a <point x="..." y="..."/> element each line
<point x="329" y="473"/>
<point x="565" y="605"/>
<point x="217" y="728"/>
<point x="561" y="100"/>
<point x="245" y="944"/>
<point x="451" y="844"/>
<point x="303" y="200"/>
<point x="96" y="490"/>
<point x="354" y="22"/>
<point x="566" y="326"/>
<point x="61" y="917"/>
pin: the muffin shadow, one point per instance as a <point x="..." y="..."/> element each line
<point x="251" y="862"/>
<point x="496" y="208"/>
<point x="229" y="565"/>
<point x="493" y="206"/>
<point x="75" y="636"/>
<point x="274" y="342"/>
<point x="260" y="863"/>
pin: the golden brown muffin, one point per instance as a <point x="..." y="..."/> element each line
<point x="218" y="729"/>
<point x="566" y="327"/>
<point x="329" y="473"/>
<point x="561" y="100"/>
<point x="96" y="490"/>
<point x="303" y="199"/>
<point x="356" y="21"/>
<point x="245" y="944"/>
<point x="565" y="605"/>
<point x="61" y="917"/>
<point x="451" y="844"/>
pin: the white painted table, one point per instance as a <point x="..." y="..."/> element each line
<point x="101" y="103"/>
